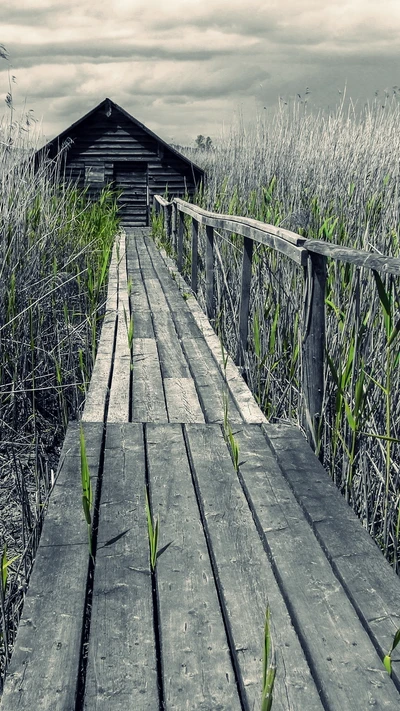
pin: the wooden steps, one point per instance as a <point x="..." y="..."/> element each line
<point x="115" y="635"/>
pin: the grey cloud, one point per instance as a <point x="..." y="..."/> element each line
<point x="222" y="80"/>
<point x="243" y="20"/>
<point x="10" y="14"/>
<point x="95" y="52"/>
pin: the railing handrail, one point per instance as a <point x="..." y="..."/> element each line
<point x="357" y="257"/>
<point x="258" y="231"/>
<point x="277" y="238"/>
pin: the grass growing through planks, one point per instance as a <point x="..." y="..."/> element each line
<point x="153" y="530"/>
<point x="227" y="427"/>
<point x="130" y="328"/>
<point x="333" y="177"/>
<point x="269" y="666"/>
<point x="387" y="660"/>
<point x="87" y="492"/>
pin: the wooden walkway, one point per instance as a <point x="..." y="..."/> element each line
<point x="112" y="635"/>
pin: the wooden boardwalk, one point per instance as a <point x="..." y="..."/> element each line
<point x="114" y="635"/>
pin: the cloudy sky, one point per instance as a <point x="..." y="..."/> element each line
<point x="185" y="67"/>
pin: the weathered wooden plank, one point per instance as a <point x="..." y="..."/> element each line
<point x="370" y="582"/>
<point x="284" y="241"/>
<point x="358" y="257"/>
<point x="148" y="402"/>
<point x="98" y="388"/>
<point x="156" y="296"/>
<point x="246" y="579"/>
<point x="182" y="401"/>
<point x="138" y="295"/>
<point x="182" y="316"/>
<point x="122" y="668"/>
<point x="210" y="385"/>
<point x="346" y="666"/>
<point x="119" y="399"/>
<point x="118" y="409"/>
<point x="143" y="324"/>
<point x="196" y="663"/>
<point x="172" y="360"/>
<point x="186" y="326"/>
<point x="96" y="398"/>
<point x="44" y="668"/>
<point x="250" y="412"/>
<point x="241" y="393"/>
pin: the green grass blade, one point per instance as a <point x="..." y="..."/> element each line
<point x="387" y="662"/>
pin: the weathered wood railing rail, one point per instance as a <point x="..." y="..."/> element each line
<point x="312" y="255"/>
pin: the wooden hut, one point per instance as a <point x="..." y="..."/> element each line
<point x="109" y="146"/>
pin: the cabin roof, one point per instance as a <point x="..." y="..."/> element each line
<point x="108" y="102"/>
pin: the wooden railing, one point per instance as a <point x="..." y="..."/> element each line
<point x="312" y="255"/>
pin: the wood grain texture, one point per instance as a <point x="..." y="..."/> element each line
<point x="182" y="401"/>
<point x="185" y="324"/>
<point x="43" y="673"/>
<point x="209" y="382"/>
<point x="358" y="257"/>
<point x="370" y="582"/>
<point x="148" y="401"/>
<point x="95" y="402"/>
<point x="284" y="241"/>
<point x="122" y="671"/>
<point x="119" y="398"/>
<point x="156" y="296"/>
<point x="197" y="669"/>
<point x="246" y="579"/>
<point x="243" y="398"/>
<point x="143" y="324"/>
<point x="172" y="360"/>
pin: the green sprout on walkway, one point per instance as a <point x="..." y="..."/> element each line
<point x="153" y="531"/>
<point x="269" y="666"/>
<point x="87" y="493"/>
<point x="387" y="660"/>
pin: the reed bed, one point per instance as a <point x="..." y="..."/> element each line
<point x="55" y="247"/>
<point x="333" y="177"/>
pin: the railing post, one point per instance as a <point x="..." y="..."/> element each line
<point x="195" y="250"/>
<point x="244" y="300"/>
<point x="210" y="271"/>
<point x="313" y="346"/>
<point x="181" y="227"/>
<point x="174" y="226"/>
<point x="168" y="221"/>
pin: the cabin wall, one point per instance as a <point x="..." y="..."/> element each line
<point x="102" y="147"/>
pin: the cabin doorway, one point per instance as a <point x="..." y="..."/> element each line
<point x="132" y="180"/>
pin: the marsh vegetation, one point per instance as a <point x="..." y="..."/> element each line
<point x="333" y="177"/>
<point x="55" y="247"/>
